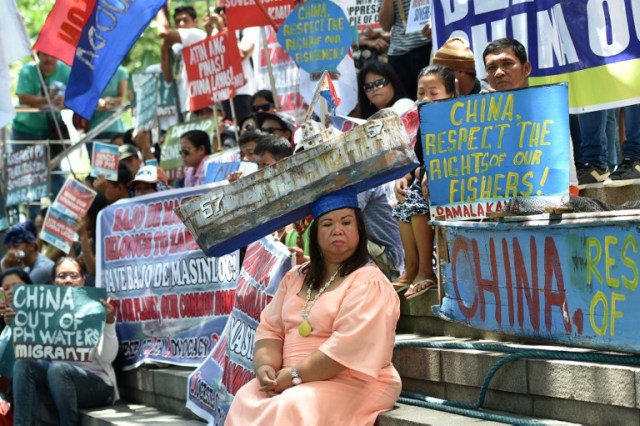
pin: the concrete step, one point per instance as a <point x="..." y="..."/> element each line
<point x="125" y="414"/>
<point x="571" y="391"/>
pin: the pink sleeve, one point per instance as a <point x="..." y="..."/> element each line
<point x="271" y="325"/>
<point x="364" y="329"/>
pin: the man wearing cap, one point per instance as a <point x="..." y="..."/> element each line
<point x="277" y="123"/>
<point x="129" y="155"/>
<point x="148" y="180"/>
<point x="22" y="252"/>
<point x="456" y="54"/>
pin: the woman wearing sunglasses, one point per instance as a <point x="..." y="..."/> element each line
<point x="378" y="87"/>
<point x="262" y="101"/>
<point x="195" y="148"/>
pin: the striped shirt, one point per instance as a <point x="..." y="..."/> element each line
<point x="402" y="43"/>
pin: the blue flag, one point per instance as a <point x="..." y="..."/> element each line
<point x="110" y="32"/>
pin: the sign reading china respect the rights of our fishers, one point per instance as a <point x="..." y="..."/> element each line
<point x="27" y="174"/>
<point x="316" y="35"/>
<point x="57" y="323"/>
<point x="105" y="161"/>
<point x="214" y="69"/>
<point x="249" y="13"/>
<point x="230" y="364"/>
<point x="146" y="89"/>
<point x="580" y="42"/>
<point x="71" y="204"/>
<point x="482" y="150"/>
<point x="172" y="302"/>
<point x="170" y="159"/>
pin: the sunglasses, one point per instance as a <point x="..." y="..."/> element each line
<point x="185" y="151"/>
<point x="272" y="130"/>
<point x="375" y="84"/>
<point x="74" y="276"/>
<point x="262" y="108"/>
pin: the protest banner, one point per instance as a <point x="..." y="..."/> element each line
<point x="27" y="174"/>
<point x="72" y="203"/>
<point x="145" y="88"/>
<point x="418" y="16"/>
<point x="214" y="69"/>
<point x="57" y="323"/>
<point x="170" y="159"/>
<point x="250" y="13"/>
<point x="171" y="301"/>
<point x="230" y="365"/>
<point x="285" y="73"/>
<point x="218" y="171"/>
<point x="362" y="13"/>
<point x="582" y="43"/>
<point x="482" y="150"/>
<point x="105" y="161"/>
<point x="316" y="35"/>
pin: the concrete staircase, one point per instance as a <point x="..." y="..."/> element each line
<point x="549" y="392"/>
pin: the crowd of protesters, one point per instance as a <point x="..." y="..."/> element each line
<point x="399" y="238"/>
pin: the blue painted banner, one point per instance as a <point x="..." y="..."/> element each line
<point x="573" y="282"/>
<point x="582" y="42"/>
<point x="211" y="387"/>
<point x="482" y="150"/>
<point x="56" y="322"/>
<point x="172" y="302"/>
<point x="218" y="172"/>
<point x="107" y="37"/>
<point x="316" y="35"/>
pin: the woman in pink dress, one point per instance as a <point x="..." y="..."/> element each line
<point x="195" y="148"/>
<point x="325" y="342"/>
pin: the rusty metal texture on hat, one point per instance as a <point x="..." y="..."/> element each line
<point x="456" y="54"/>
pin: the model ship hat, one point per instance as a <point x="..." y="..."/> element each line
<point x="347" y="197"/>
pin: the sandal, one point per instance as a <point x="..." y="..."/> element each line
<point x="400" y="287"/>
<point x="422" y="287"/>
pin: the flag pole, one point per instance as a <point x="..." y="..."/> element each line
<point x="234" y="118"/>
<point x="216" y="128"/>
<point x="316" y="96"/>
<point x="267" y="57"/>
<point x="52" y="110"/>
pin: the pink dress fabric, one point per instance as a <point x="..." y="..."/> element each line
<point x="355" y="326"/>
<point x="193" y="176"/>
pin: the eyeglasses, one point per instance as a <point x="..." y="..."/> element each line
<point x="185" y="151"/>
<point x="375" y="85"/>
<point x="272" y="130"/>
<point x="262" y="108"/>
<point x="218" y="10"/>
<point x="73" y="276"/>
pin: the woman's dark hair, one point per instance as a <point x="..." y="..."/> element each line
<point x="385" y="71"/>
<point x="445" y="73"/>
<point x="198" y="138"/>
<point x="62" y="260"/>
<point x="24" y="277"/>
<point x="266" y="94"/>
<point x="314" y="270"/>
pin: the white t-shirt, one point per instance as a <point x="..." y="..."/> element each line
<point x="188" y="36"/>
<point x="251" y="34"/>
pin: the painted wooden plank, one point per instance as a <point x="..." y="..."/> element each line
<point x="574" y="284"/>
<point x="234" y="215"/>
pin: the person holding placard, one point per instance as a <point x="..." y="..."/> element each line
<point x="71" y="385"/>
<point x="325" y="342"/>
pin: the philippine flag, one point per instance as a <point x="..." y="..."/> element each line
<point x="328" y="91"/>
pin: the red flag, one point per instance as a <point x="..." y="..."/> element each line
<point x="62" y="28"/>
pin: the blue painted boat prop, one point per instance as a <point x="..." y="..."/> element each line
<point x="571" y="279"/>
<point x="234" y="215"/>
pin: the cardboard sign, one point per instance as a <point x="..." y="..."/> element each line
<point x="214" y="70"/>
<point x="105" y="161"/>
<point x="145" y="87"/>
<point x="217" y="172"/>
<point x="73" y="202"/>
<point x="363" y="13"/>
<point x="57" y="323"/>
<point x="230" y="364"/>
<point x="250" y="13"/>
<point x="419" y="14"/>
<point x="27" y="174"/>
<point x="482" y="150"/>
<point x="171" y="301"/>
<point x="316" y="35"/>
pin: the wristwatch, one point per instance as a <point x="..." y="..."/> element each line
<point x="295" y="378"/>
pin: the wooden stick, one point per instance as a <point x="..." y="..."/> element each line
<point x="216" y="128"/>
<point x="234" y="118"/>
<point x="267" y="57"/>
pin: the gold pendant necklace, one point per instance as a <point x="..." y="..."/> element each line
<point x="305" y="326"/>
